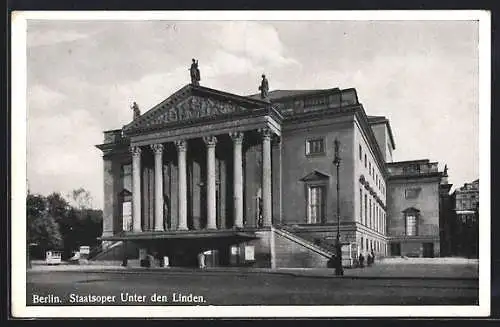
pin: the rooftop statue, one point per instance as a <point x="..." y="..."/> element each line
<point x="195" y="73"/>
<point x="445" y="173"/>
<point x="264" y="87"/>
<point x="135" y="108"/>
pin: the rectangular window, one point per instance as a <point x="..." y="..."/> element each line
<point x="411" y="225"/>
<point x="316" y="204"/>
<point x="361" y="205"/>
<point x="360" y="153"/>
<point x="366" y="162"/>
<point x="127" y="216"/>
<point x="370" y="168"/>
<point x="362" y="243"/>
<point x="370" y="223"/>
<point x="412" y="193"/>
<point x="366" y="210"/>
<point x="315" y="146"/>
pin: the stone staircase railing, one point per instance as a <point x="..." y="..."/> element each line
<point x="289" y="233"/>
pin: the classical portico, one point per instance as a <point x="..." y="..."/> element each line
<point x="182" y="149"/>
<point x="193" y="163"/>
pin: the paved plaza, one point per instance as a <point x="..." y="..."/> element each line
<point x="381" y="284"/>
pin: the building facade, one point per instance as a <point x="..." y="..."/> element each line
<point x="251" y="180"/>
<point x="414" y="208"/>
<point x="465" y="235"/>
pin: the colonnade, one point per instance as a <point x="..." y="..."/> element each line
<point x="210" y="143"/>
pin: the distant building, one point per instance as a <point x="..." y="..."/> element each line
<point x="414" y="208"/>
<point x="466" y="219"/>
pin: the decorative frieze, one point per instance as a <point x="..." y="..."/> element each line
<point x="196" y="107"/>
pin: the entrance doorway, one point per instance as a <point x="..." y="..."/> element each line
<point x="428" y="250"/>
<point x="396" y="249"/>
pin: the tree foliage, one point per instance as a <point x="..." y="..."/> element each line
<point x="52" y="223"/>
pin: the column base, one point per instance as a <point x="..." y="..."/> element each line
<point x="159" y="230"/>
<point x="182" y="228"/>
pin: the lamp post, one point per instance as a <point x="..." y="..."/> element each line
<point x="339" y="270"/>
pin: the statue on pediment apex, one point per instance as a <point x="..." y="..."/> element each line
<point x="195" y="72"/>
<point x="264" y="87"/>
<point x="135" y="108"/>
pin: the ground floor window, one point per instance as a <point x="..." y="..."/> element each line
<point x="127" y="216"/>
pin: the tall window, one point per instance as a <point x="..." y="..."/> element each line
<point x="360" y="153"/>
<point x="370" y="223"/>
<point x="370" y="167"/>
<point x="366" y="210"/>
<point x="362" y="243"/>
<point x="316" y="204"/>
<point x="366" y="162"/>
<point x="411" y="221"/>
<point x="315" y="146"/>
<point x="361" y="204"/>
<point x="127" y="216"/>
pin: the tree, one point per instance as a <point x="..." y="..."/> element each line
<point x="44" y="231"/>
<point x="57" y="206"/>
<point x="82" y="198"/>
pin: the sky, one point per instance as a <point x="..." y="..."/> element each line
<point x="84" y="75"/>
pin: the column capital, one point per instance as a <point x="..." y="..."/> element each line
<point x="275" y="139"/>
<point x="237" y="137"/>
<point x="265" y="132"/>
<point x="135" y="150"/>
<point x="157" y="148"/>
<point x="181" y="145"/>
<point x="210" y="141"/>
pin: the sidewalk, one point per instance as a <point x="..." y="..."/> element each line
<point x="381" y="270"/>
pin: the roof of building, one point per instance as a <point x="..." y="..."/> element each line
<point x="382" y="120"/>
<point x="400" y="163"/>
<point x="277" y="95"/>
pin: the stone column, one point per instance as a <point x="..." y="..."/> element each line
<point x="182" y="203"/>
<point x="136" y="189"/>
<point x="158" y="151"/>
<point x="266" y="176"/>
<point x="211" y="141"/>
<point x="238" y="178"/>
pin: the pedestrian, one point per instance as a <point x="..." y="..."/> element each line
<point x="373" y="256"/>
<point x="369" y="259"/>
<point x="361" y="260"/>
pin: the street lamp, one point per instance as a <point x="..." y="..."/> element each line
<point x="339" y="270"/>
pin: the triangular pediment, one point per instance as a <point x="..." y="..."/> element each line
<point x="315" y="176"/>
<point x="193" y="103"/>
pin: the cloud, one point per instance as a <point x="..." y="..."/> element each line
<point x="258" y="42"/>
<point x="40" y="38"/>
<point x="42" y="98"/>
